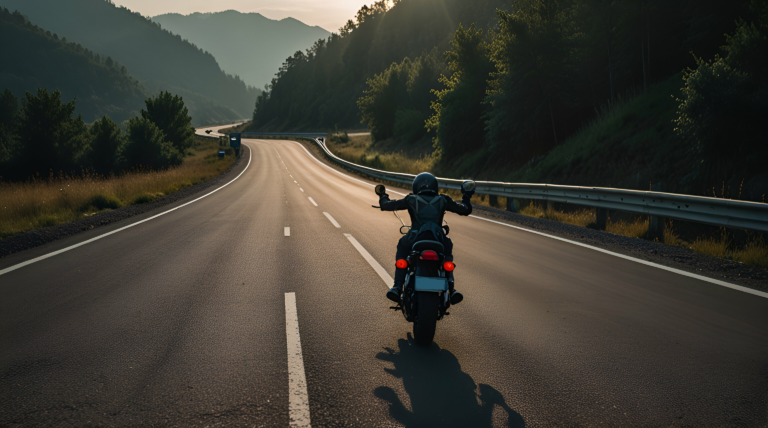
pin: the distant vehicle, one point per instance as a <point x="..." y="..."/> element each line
<point x="208" y="131"/>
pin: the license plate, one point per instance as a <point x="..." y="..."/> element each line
<point x="426" y="283"/>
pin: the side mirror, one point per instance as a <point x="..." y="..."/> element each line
<point x="468" y="186"/>
<point x="380" y="189"/>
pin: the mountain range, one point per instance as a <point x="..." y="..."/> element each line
<point x="157" y="58"/>
<point x="102" y="86"/>
<point x="247" y="44"/>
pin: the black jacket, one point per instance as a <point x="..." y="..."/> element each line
<point x="462" y="208"/>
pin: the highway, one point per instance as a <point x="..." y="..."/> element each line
<point x="262" y="304"/>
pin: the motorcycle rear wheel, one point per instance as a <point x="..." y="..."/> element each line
<point x="426" y="318"/>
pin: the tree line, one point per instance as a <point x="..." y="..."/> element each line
<point x="37" y="58"/>
<point x="318" y="88"/>
<point x="41" y="136"/>
<point x="533" y="79"/>
<point x="156" y="57"/>
<point x="515" y="79"/>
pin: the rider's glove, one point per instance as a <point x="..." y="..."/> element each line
<point x="468" y="195"/>
<point x="382" y="199"/>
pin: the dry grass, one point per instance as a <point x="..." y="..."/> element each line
<point x="632" y="229"/>
<point x="754" y="252"/>
<point x="578" y="218"/>
<point x="41" y="203"/>
<point x="361" y="151"/>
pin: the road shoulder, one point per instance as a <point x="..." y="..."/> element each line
<point x="667" y="255"/>
<point x="65" y="234"/>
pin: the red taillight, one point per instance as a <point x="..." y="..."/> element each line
<point x="449" y="266"/>
<point x="429" y="255"/>
<point x="401" y="264"/>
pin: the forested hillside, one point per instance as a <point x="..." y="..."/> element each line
<point x="102" y="86"/>
<point x="150" y="53"/>
<point x="319" y="88"/>
<point x="247" y="44"/>
<point x="512" y="80"/>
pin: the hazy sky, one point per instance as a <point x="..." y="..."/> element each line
<point x="329" y="15"/>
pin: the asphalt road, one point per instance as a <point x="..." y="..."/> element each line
<point x="187" y="320"/>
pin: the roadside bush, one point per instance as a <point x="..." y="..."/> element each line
<point x="337" y="137"/>
<point x="106" y="146"/>
<point x="103" y="202"/>
<point x="143" y="199"/>
<point x="147" y="146"/>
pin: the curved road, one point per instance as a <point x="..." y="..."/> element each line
<point x="254" y="306"/>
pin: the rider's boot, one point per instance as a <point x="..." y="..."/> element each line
<point x="456" y="297"/>
<point x="394" y="293"/>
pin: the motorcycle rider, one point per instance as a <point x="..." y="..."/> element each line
<point x="426" y="208"/>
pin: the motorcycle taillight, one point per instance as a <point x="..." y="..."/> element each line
<point x="429" y="255"/>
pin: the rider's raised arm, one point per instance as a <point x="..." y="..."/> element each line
<point x="396" y="205"/>
<point x="462" y="208"/>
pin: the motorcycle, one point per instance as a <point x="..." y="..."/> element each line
<point x="425" y="297"/>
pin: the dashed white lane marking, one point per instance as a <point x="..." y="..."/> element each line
<point x="388" y="281"/>
<point x="333" y="221"/>
<point x="301" y="189"/>
<point x="298" y="398"/>
<point x="647" y="263"/>
<point x="312" y="200"/>
<point x="287" y="231"/>
<point x="72" y="247"/>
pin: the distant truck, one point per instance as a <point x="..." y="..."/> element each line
<point x="234" y="142"/>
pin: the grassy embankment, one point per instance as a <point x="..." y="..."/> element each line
<point x="626" y="146"/>
<point x="42" y="203"/>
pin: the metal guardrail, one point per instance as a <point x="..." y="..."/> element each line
<point x="700" y="209"/>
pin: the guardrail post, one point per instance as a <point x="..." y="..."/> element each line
<point x="493" y="200"/>
<point x="601" y="218"/>
<point x="511" y="205"/>
<point x="656" y="224"/>
<point x="550" y="205"/>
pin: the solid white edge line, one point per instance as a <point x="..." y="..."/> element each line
<point x="338" y="172"/>
<point x="644" y="262"/>
<point x="287" y="231"/>
<point x="647" y="263"/>
<point x="298" y="398"/>
<point x="388" y="281"/>
<point x="72" y="247"/>
<point x="333" y="220"/>
<point x="312" y="200"/>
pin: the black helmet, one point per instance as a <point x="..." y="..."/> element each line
<point x="425" y="183"/>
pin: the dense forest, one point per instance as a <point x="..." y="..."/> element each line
<point x="319" y="88"/>
<point x="511" y="80"/>
<point x="103" y="86"/>
<point x="156" y="57"/>
<point x="41" y="137"/>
